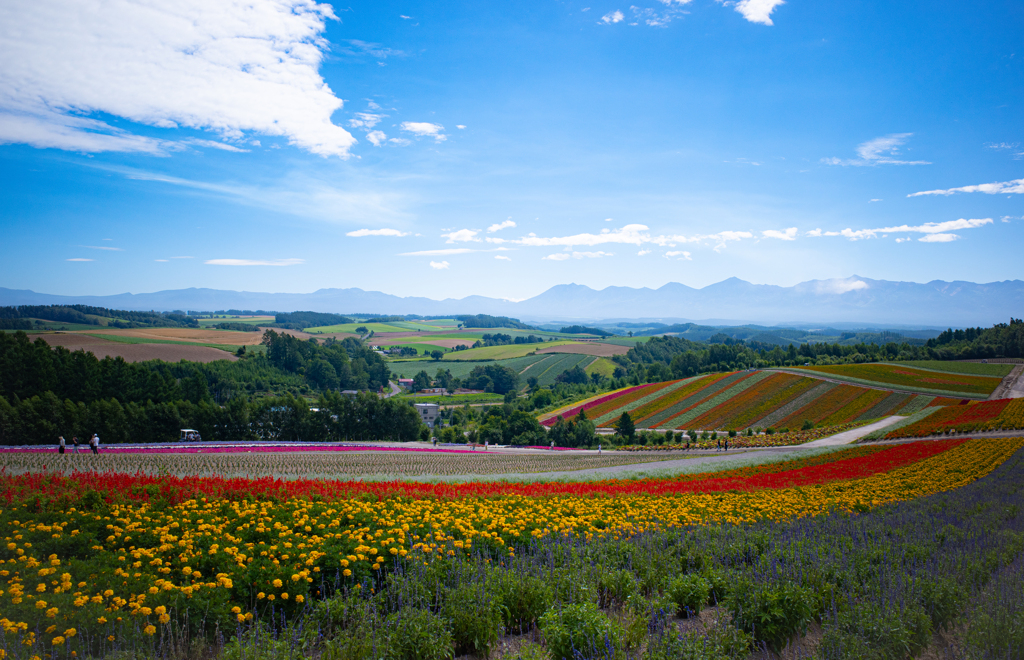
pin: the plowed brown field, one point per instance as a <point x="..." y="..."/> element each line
<point x="198" y="335"/>
<point x="102" y="348"/>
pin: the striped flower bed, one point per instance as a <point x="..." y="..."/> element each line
<point x="704" y="406"/>
<point x="628" y="397"/>
<point x="824" y="406"/>
<point x="885" y="406"/>
<point x="916" y="404"/>
<point x="722" y="416"/>
<point x="789" y="388"/>
<point x="693" y="385"/>
<point x="658" y="419"/>
<point x="771" y="419"/>
<point x="566" y="413"/>
<point x="867" y="400"/>
<point x="645" y="401"/>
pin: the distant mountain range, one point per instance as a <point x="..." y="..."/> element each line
<point x="855" y="300"/>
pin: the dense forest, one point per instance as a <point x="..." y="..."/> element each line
<point x="487" y="321"/>
<point x="46" y="391"/>
<point x="87" y="315"/>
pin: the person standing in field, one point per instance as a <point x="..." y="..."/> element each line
<point x="60" y="445"/>
<point x="74" y="444"/>
<point x="94" y="444"/>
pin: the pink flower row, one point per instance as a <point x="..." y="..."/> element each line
<point x="572" y="412"/>
<point x="229" y="449"/>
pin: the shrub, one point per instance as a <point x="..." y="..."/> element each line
<point x="475" y="617"/>
<point x="689" y="593"/>
<point x="772" y="612"/>
<point x="719" y="642"/>
<point x="942" y="598"/>
<point x="869" y="631"/>
<point x="580" y="632"/>
<point x="614" y="587"/>
<point x="524" y="598"/>
<point x="418" y="635"/>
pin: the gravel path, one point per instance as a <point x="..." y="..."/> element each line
<point x="1012" y="386"/>
<point x="853" y="435"/>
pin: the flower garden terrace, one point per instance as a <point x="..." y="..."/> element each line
<point x="105" y="552"/>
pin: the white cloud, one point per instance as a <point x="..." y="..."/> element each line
<point x="682" y="254"/>
<point x="613" y="17"/>
<point x="558" y="256"/>
<point x="501" y="225"/>
<point x="591" y="255"/>
<point x="377" y="232"/>
<point x="460" y="126"/>
<point x="1006" y="187"/>
<point x="871" y="201"/>
<point x="938" y="238"/>
<point x="376" y="138"/>
<point x="931" y="228"/>
<point x="182" y="257"/>
<point x="163" y="261"/>
<point x="425" y="129"/>
<point x="502" y="257"/>
<point x="631" y="234"/>
<point x="758" y="11"/>
<point x="1002" y="145"/>
<point x="228" y="67"/>
<point x="102" y="247"/>
<point x="254" y="262"/>
<point x="658" y="17"/>
<point x="78" y="259"/>
<point x="643" y="252"/>
<point x="439" y="265"/>
<point x="879" y="151"/>
<point x="365" y="120"/>
<point x="402" y="142"/>
<point x="218" y="145"/>
<point x="787" y="235"/>
<point x="840" y="286"/>
<point x="461" y="236"/>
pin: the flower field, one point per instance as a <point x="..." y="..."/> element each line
<point x="745" y="399"/>
<point x="313" y="464"/>
<point x="99" y="559"/>
<point x="1001" y="414"/>
<point x="909" y="378"/>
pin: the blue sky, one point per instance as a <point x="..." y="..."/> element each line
<point x="447" y="149"/>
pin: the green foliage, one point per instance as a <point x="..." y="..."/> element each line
<point x="492" y="378"/>
<point x="718" y="642"/>
<point x="476" y="618"/>
<point x="524" y="598"/>
<point x="302" y="320"/>
<point x="581" y="632"/>
<point x="486" y="321"/>
<point x="624" y="427"/>
<point x="415" y="634"/>
<point x="86" y="314"/>
<point x="689" y="593"/>
<point x="772" y="612"/>
<point x="584" y="330"/>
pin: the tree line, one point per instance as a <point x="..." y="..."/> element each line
<point x="86" y="315"/>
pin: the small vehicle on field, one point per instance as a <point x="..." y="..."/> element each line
<point x="189" y="435"/>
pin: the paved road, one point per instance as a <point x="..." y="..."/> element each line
<point x="847" y="437"/>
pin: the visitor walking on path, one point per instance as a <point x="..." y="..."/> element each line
<point x="94" y="443"/>
<point x="74" y="444"/>
<point x="727" y="444"/>
<point x="60" y="445"/>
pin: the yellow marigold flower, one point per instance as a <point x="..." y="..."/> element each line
<point x="101" y="620"/>
<point x="70" y="632"/>
<point x="110" y="638"/>
<point x="145" y="611"/>
<point x="236" y="609"/>
<point x="277" y="584"/>
<point x="270" y="597"/>
<point x="108" y="593"/>
<point x="52" y="613"/>
<point x="347" y="573"/>
<point x="284" y="596"/>
<point x="50" y="629"/>
<point x="296" y="577"/>
<point x="160" y="609"/>
<point x="261" y="596"/>
<point x="40" y="604"/>
<point x="165" y="618"/>
<point x="58" y="640"/>
<point x="41" y="588"/>
<point x="149" y="630"/>
<point x="300" y="598"/>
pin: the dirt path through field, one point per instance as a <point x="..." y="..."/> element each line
<point x="853" y="435"/>
<point x="1012" y="386"/>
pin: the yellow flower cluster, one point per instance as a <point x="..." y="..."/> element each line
<point x="239" y="556"/>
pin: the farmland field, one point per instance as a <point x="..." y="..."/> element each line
<point x="102" y="348"/>
<point x="143" y="561"/>
<point x="179" y="335"/>
<point x="501" y="352"/>
<point x="598" y="349"/>
<point x="741" y="400"/>
<point x="998" y="415"/>
<point x="910" y="378"/>
<point x="602" y="366"/>
<point x="248" y="320"/>
<point x="954" y="367"/>
<point x="628" y="342"/>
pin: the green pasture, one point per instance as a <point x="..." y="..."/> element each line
<point x="625" y="341"/>
<point x="500" y="352"/>
<point x="61" y="325"/>
<point x="409" y="368"/>
<point x="601" y="365"/>
<point x="121" y="339"/>
<point x="545" y="372"/>
<point x="351" y="327"/>
<point x="248" y="320"/>
<point x="420" y="348"/>
<point x="965" y="368"/>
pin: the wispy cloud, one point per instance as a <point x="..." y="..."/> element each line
<point x="103" y="247"/>
<point x="376" y="232"/>
<point x="194" y="64"/>
<point x="448" y="251"/>
<point x="508" y="224"/>
<point x="439" y="265"/>
<point x="883" y="150"/>
<point x="461" y="236"/>
<point x="222" y="146"/>
<point x="502" y="257"/>
<point x="682" y="254"/>
<point x="787" y="235"/>
<point x="558" y="256"/>
<point x="78" y="259"/>
<point x="1006" y="187"/>
<point x="425" y="129"/>
<point x="613" y="17"/>
<point x="931" y="229"/>
<point x="357" y="47"/>
<point x="254" y="262"/>
<point x="376" y="138"/>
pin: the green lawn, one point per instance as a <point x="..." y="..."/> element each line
<point x="625" y="341"/>
<point x="351" y="327"/>
<point x="121" y="339"/>
<point x="967" y="368"/>
<point x="603" y="366"/>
